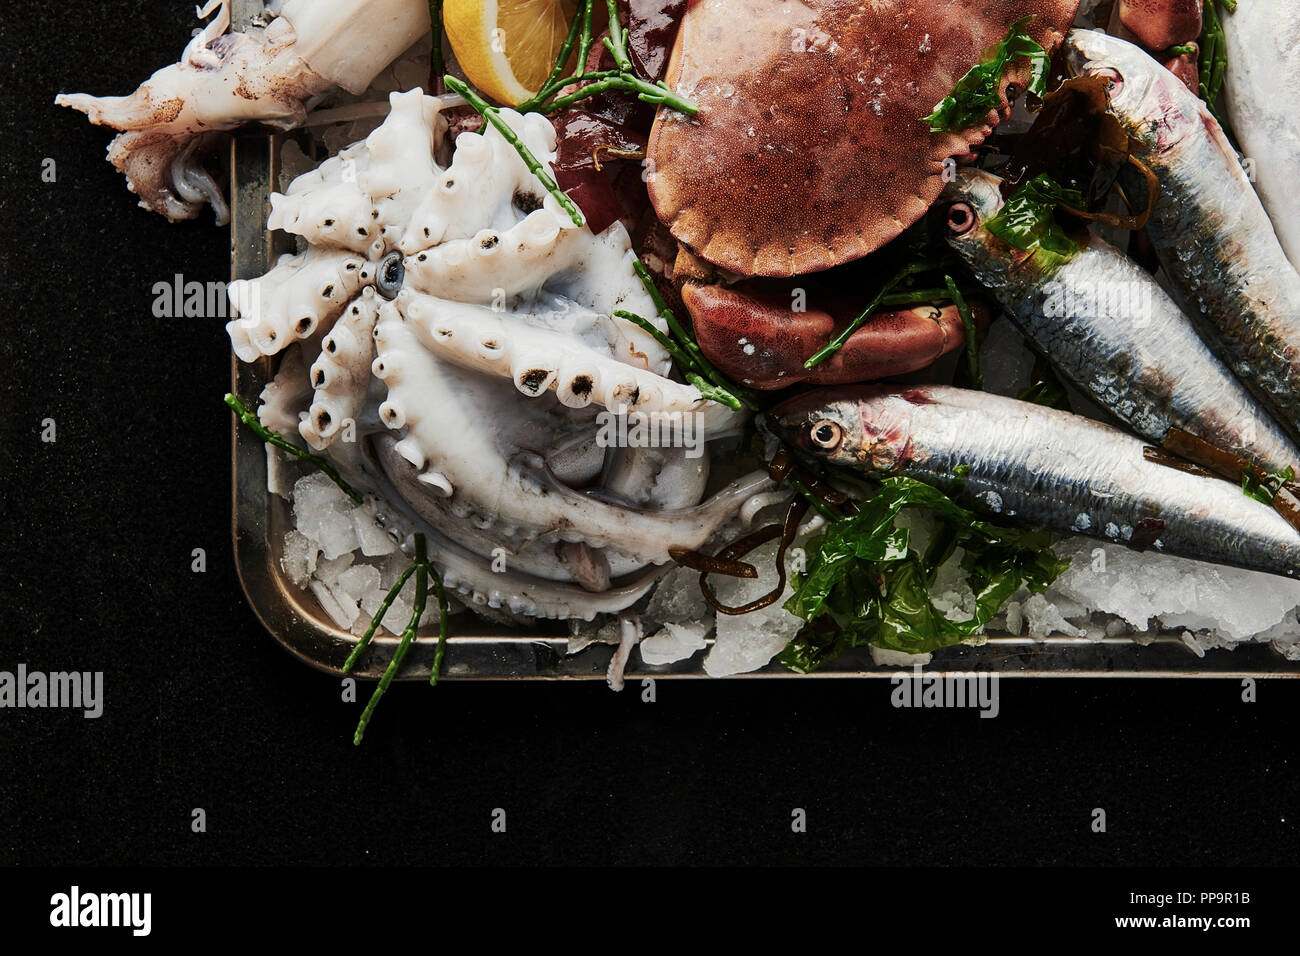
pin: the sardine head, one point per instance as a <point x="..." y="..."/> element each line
<point x="1130" y="73"/>
<point x="860" y="426"/>
<point x="970" y="200"/>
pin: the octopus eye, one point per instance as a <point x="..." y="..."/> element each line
<point x="826" y="434"/>
<point x="391" y="275"/>
<point x="1114" y="81"/>
<point x="961" y="218"/>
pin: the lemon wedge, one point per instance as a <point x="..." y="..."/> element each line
<point x="507" y="47"/>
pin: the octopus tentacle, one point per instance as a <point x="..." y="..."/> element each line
<point x="485" y="173"/>
<point x="194" y="185"/>
<point x="336" y="212"/>
<point x="402" y="166"/>
<point x="285" y="397"/>
<point x="472" y="578"/>
<point x="538" y="359"/>
<point x="522" y="554"/>
<point x="423" y="397"/>
<point x="341" y="372"/>
<point x="301" y="296"/>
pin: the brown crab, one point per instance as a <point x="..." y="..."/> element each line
<point x="809" y="151"/>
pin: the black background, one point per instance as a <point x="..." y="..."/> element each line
<point x="204" y="710"/>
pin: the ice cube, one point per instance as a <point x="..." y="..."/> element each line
<point x="1015" y="617"/>
<point x="746" y="642"/>
<point x="299" y="559"/>
<point x="336" y="534"/>
<point x="1284" y="636"/>
<point x="346" y="602"/>
<point x="328" y="569"/>
<point x="1192" y="643"/>
<point x="279" y="472"/>
<point x="399" y="614"/>
<point x="951" y="591"/>
<point x="341" y="614"/>
<point x="677" y="599"/>
<point x="393" y="568"/>
<point x="358" y="580"/>
<point x="1045" y="619"/>
<point x="315" y="499"/>
<point x="372" y="538"/>
<point x="675" y="642"/>
<point x="888" y="657"/>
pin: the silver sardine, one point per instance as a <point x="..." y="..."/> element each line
<point x="1209" y="229"/>
<point x="1262" y="92"/>
<point x="1039" y="466"/>
<point x="1109" y="328"/>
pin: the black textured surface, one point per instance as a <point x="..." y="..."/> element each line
<point x="203" y="709"/>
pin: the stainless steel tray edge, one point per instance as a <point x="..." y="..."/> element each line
<point x="299" y="625"/>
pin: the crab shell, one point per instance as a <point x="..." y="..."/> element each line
<point x="808" y="149"/>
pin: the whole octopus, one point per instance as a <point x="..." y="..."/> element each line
<point x="459" y="358"/>
<point x="446" y="334"/>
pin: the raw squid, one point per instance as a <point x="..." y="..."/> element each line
<point x="226" y="79"/>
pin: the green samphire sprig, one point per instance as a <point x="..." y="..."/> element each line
<point x="423" y="572"/>
<point x="623" y="78"/>
<point x="421" y="568"/>
<point x="1212" y="65"/>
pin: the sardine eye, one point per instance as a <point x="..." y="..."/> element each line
<point x="961" y="218"/>
<point x="826" y="434"/>
<point x="1114" y="82"/>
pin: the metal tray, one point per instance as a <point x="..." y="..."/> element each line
<point x="480" y="650"/>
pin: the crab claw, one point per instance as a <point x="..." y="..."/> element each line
<point x="763" y="342"/>
<point x="1186" y="67"/>
<point x="1160" y="24"/>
